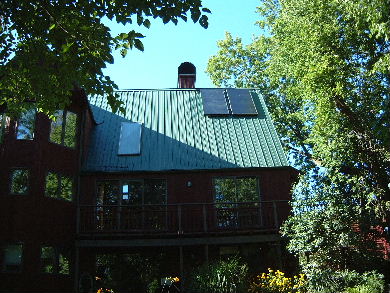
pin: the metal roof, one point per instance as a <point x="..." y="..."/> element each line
<point x="176" y="135"/>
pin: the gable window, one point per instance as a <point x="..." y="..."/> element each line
<point x="55" y="260"/>
<point x="12" y="258"/>
<point x="59" y="186"/>
<point x="19" y="181"/>
<point x="64" y="128"/>
<point x="236" y="202"/>
<point x="25" y="125"/>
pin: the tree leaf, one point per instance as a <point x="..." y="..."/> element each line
<point x="147" y="23"/>
<point x="138" y="44"/>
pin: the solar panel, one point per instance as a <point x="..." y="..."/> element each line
<point x="241" y="102"/>
<point x="214" y="102"/>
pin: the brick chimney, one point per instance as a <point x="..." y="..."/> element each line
<point x="186" y="76"/>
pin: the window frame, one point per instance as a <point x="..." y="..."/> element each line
<point x="228" y="213"/>
<point x="11" y="181"/>
<point x="3" y="264"/>
<point x="4" y="125"/>
<point x="63" y="129"/>
<point x="56" y="265"/>
<point x="120" y="206"/>
<point x="235" y="185"/>
<point x="57" y="196"/>
<point x="33" y="126"/>
<point x="121" y="183"/>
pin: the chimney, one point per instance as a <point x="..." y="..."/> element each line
<point x="186" y="76"/>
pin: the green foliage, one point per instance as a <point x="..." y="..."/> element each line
<point x="328" y="281"/>
<point x="47" y="48"/>
<point x="19" y="181"/>
<point x="220" y="276"/>
<point x="153" y="286"/>
<point x="129" y="272"/>
<point x="324" y="69"/>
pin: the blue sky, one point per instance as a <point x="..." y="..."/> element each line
<point x="167" y="46"/>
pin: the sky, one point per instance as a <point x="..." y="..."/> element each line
<point x="167" y="46"/>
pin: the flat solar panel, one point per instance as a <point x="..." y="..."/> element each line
<point x="241" y="102"/>
<point x="214" y="102"/>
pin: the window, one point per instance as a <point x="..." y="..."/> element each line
<point x="4" y="123"/>
<point x="132" y="192"/>
<point x="131" y="204"/>
<point x="236" y="189"/>
<point x="63" y="129"/>
<point x="236" y="202"/>
<point x="12" y="258"/>
<point x="25" y="125"/>
<point x="19" y="181"/>
<point x="58" y="186"/>
<point x="55" y="260"/>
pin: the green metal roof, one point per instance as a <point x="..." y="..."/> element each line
<point x="176" y="135"/>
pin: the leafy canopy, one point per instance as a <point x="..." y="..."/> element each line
<point x="324" y="68"/>
<point x="48" y="48"/>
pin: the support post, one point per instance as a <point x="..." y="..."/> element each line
<point x="278" y="249"/>
<point x="181" y="268"/>
<point x="275" y="215"/>
<point x="206" y="253"/>
<point x="76" y="269"/>
<point x="180" y="231"/>
<point x="204" y="210"/>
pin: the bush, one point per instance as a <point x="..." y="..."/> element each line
<point x="370" y="282"/>
<point x="276" y="282"/>
<point x="224" y="276"/>
<point x="328" y="281"/>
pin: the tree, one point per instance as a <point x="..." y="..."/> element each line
<point x="324" y="69"/>
<point x="48" y="48"/>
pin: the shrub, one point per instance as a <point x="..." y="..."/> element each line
<point x="224" y="276"/>
<point x="369" y="282"/>
<point x="329" y="281"/>
<point x="276" y="281"/>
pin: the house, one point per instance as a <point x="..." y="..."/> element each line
<point x="185" y="176"/>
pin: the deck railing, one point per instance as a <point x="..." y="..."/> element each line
<point x="183" y="218"/>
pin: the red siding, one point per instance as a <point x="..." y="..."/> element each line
<point x="35" y="219"/>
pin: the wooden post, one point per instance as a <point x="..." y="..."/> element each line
<point x="181" y="268"/>
<point x="278" y="249"/>
<point x="76" y="269"/>
<point x="260" y="215"/>
<point x="275" y="215"/>
<point x="78" y="220"/>
<point x="206" y="253"/>
<point x="204" y="218"/>
<point x="179" y="218"/>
